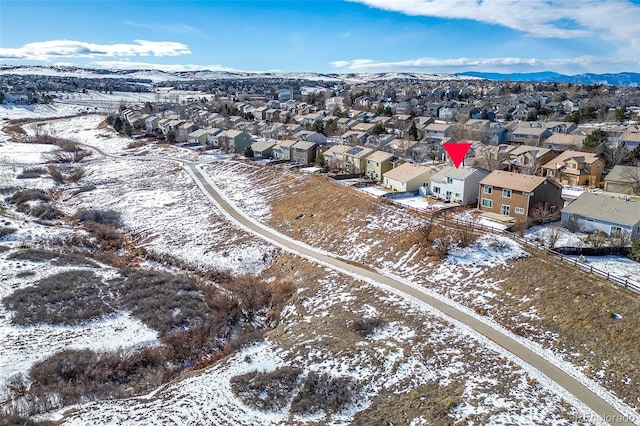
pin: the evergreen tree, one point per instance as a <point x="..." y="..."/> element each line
<point x="594" y="139"/>
<point x="413" y="131"/>
<point x="117" y="124"/>
<point x="634" y="254"/>
<point x="248" y="152"/>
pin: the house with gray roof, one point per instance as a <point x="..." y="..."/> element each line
<point x="623" y="180"/>
<point x="612" y="214"/>
<point x="459" y="185"/>
<point x="303" y="152"/>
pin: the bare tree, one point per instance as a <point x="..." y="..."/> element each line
<point x="631" y="175"/>
<point x="552" y="236"/>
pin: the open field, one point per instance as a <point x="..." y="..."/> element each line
<point x="386" y="351"/>
<point x="566" y="311"/>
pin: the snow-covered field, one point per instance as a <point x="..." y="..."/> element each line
<point x="413" y="349"/>
<point x="168" y="214"/>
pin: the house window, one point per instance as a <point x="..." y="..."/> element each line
<point x="571" y="165"/>
<point x="616" y="231"/>
<point x="449" y="180"/>
<point x="519" y="210"/>
<point x="487" y="203"/>
<point x="457" y="195"/>
<point x="552" y="209"/>
<point x="506" y="193"/>
<point x="549" y="173"/>
<point x="505" y="210"/>
<point x="436" y="189"/>
<point x="488" y="189"/>
<point x="527" y="194"/>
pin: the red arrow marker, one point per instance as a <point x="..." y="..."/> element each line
<point x="457" y="151"/>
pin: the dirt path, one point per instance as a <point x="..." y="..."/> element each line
<point x="602" y="411"/>
<point x="605" y="411"/>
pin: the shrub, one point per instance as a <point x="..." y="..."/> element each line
<point x="4" y="231"/>
<point x="266" y="391"/>
<point x="162" y="301"/>
<point x="324" y="393"/>
<point x="366" y="326"/>
<point x="70" y="298"/>
<point x="76" y="374"/>
<point x="634" y="253"/>
<point x="25" y="195"/>
<point x="56" y="174"/>
<point x="103" y="217"/>
<point x="44" y="211"/>
<point x="31" y="173"/>
<point x="77" y="174"/>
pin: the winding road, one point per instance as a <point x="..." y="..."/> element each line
<point x="601" y="410"/>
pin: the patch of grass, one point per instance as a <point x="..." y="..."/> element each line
<point x="267" y="391"/>
<point x="70" y="298"/>
<point x="4" y="248"/>
<point x="429" y="401"/>
<point x="25" y="274"/>
<point x="82" y="189"/>
<point x="322" y="392"/>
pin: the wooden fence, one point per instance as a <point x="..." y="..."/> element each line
<point x="628" y="283"/>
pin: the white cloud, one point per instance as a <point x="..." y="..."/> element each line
<point x="606" y="19"/>
<point x="134" y="65"/>
<point x="578" y="64"/>
<point x="166" y="28"/>
<point x="56" y="49"/>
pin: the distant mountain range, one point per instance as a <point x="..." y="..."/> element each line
<point x="619" y="79"/>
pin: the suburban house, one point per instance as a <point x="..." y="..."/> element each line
<point x="565" y="127"/>
<point x="184" y="129"/>
<point x="575" y="168"/>
<point x="631" y="140"/>
<point x="528" y="134"/>
<point x="408" y="177"/>
<point x="438" y="130"/>
<point x="213" y="135"/>
<point x="355" y="158"/>
<point x="623" y="180"/>
<point x="528" y="159"/>
<point x="514" y="195"/>
<point x="459" y="185"/>
<point x="282" y="151"/>
<point x="563" y="142"/>
<point x="199" y="136"/>
<point x="309" y="136"/>
<point x="611" y="214"/>
<point x="235" y="140"/>
<point x="262" y="149"/>
<point x="378" y="164"/>
<point x="151" y="123"/>
<point x="303" y="152"/>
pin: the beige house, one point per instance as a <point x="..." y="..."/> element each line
<point x="377" y="164"/>
<point x="334" y="158"/>
<point x="575" y="168"/>
<point x="408" y="177"/>
<point x="262" y="149"/>
<point x="563" y="142"/>
<point x="623" y="180"/>
<point x="283" y="150"/>
<point x="355" y="158"/>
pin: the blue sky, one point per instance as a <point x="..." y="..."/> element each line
<point x="332" y="36"/>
